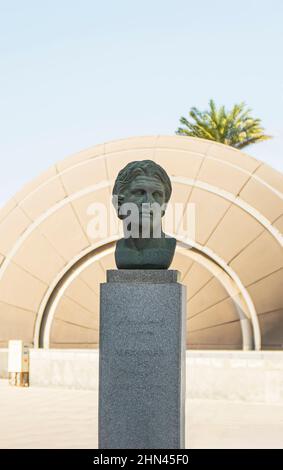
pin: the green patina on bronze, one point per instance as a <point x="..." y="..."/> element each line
<point x="139" y="183"/>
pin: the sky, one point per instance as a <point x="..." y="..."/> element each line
<point x="78" y="73"/>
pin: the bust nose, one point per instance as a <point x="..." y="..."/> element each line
<point x="149" y="199"/>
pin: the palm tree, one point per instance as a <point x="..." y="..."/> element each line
<point x="236" y="127"/>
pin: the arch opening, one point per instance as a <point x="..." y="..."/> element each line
<point x="235" y="293"/>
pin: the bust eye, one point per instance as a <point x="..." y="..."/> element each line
<point x="139" y="192"/>
<point x="157" y="194"/>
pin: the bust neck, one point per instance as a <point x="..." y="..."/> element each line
<point x="143" y="243"/>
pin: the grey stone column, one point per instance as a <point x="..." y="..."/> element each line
<point x="142" y="360"/>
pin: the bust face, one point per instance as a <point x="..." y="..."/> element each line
<point x="144" y="191"/>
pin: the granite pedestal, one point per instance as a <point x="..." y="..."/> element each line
<point x="142" y="360"/>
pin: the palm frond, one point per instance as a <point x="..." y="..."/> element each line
<point x="236" y="127"/>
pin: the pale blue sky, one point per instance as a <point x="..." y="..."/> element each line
<point x="77" y="73"/>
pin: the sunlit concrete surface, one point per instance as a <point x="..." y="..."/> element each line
<point x="47" y="418"/>
<point x="218" y="424"/>
<point x="38" y="417"/>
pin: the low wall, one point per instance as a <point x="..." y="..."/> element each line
<point x="225" y="375"/>
<point x="3" y="363"/>
<point x="249" y="376"/>
<point x="68" y="368"/>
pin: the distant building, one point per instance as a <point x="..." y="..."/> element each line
<point x="51" y="268"/>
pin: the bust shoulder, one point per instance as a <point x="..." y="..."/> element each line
<point x="170" y="241"/>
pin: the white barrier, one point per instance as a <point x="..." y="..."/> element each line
<point x="225" y="375"/>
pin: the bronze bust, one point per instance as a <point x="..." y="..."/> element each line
<point x="140" y="194"/>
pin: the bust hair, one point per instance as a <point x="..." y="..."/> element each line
<point x="136" y="168"/>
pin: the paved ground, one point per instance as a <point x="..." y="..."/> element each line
<point x="58" y="418"/>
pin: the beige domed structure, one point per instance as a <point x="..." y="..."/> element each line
<point x="233" y="268"/>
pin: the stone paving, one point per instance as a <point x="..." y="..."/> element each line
<point x="37" y="417"/>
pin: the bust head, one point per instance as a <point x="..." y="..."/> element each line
<point x="140" y="194"/>
<point x="142" y="182"/>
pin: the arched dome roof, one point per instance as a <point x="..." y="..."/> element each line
<point x="51" y="269"/>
